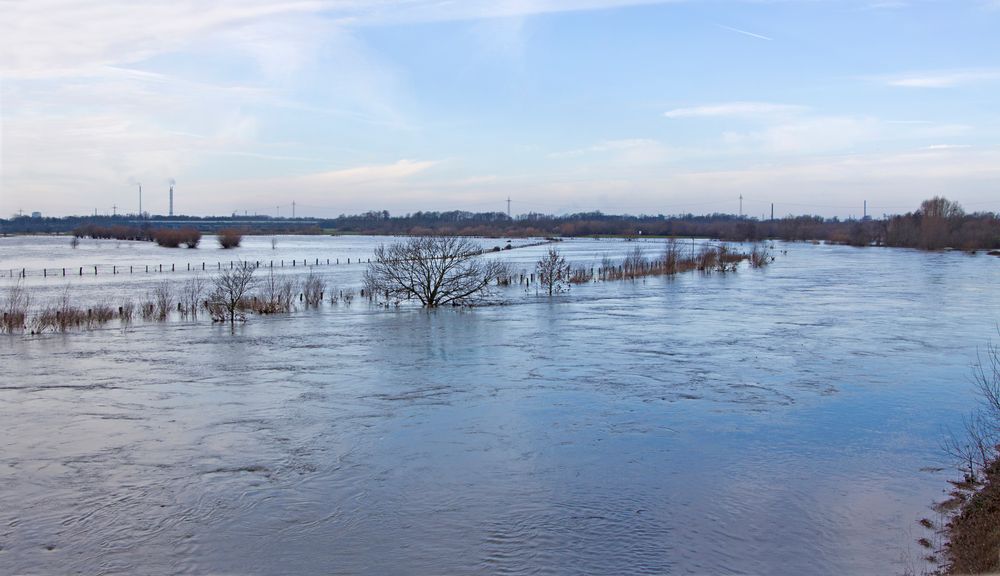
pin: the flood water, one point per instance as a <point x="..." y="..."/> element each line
<point x="777" y="421"/>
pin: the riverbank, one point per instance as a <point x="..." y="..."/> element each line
<point x="973" y="534"/>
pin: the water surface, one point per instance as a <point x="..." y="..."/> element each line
<point x="769" y="421"/>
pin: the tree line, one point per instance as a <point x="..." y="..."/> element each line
<point x="937" y="223"/>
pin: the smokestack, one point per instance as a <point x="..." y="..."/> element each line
<point x="171" y="199"/>
<point x="140" y="200"/>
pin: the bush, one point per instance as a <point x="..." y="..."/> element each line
<point x="230" y="238"/>
<point x="15" y="308"/>
<point x="174" y="237"/>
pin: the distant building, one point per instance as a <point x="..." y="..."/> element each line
<point x="36" y="214"/>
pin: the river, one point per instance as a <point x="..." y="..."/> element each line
<point x="785" y="420"/>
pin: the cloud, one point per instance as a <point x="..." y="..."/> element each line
<point x="943" y="79"/>
<point x="750" y="109"/>
<point x="947" y="146"/>
<point x="630" y="152"/>
<point x="745" y="32"/>
<point x="367" y="175"/>
<point x="809" y="135"/>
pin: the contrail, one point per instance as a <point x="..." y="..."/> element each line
<point x="744" y="32"/>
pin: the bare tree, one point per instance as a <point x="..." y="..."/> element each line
<point x="229" y="289"/>
<point x="163" y="297"/>
<point x="978" y="446"/>
<point x="634" y="263"/>
<point x="434" y="270"/>
<point x="313" y="288"/>
<point x="553" y="271"/>
<point x="275" y="294"/>
<point x="15" y="307"/>
<point x="191" y="294"/>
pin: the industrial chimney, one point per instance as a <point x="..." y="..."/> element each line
<point x="171" y="200"/>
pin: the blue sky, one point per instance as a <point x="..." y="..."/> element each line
<point x="621" y="106"/>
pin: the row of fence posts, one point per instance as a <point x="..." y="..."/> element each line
<point x="23" y="273"/>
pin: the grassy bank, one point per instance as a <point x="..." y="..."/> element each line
<point x="970" y="529"/>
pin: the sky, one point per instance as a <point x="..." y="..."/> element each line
<point x="622" y="106"/>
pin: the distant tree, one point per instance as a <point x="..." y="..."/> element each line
<point x="230" y="238"/>
<point x="435" y="270"/>
<point x="553" y="271"/>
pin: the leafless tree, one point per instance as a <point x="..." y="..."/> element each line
<point x="15" y="307"/>
<point x="672" y="256"/>
<point x="229" y="289"/>
<point x="634" y="262"/>
<point x="978" y="445"/>
<point x="553" y="271"/>
<point x="433" y="270"/>
<point x="312" y="289"/>
<point x="275" y="294"/>
<point x="163" y="298"/>
<point x="191" y="295"/>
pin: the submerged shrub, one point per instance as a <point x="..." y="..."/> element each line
<point x="15" y="308"/>
<point x="174" y="237"/>
<point x="312" y="289"/>
<point x="274" y="295"/>
<point x="230" y="238"/>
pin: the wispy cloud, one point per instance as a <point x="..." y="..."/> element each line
<point x="947" y="79"/>
<point x="947" y="146"/>
<point x="629" y="151"/>
<point x="745" y="32"/>
<point x="370" y="174"/>
<point x="735" y="109"/>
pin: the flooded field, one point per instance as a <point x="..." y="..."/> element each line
<point x="774" y="421"/>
